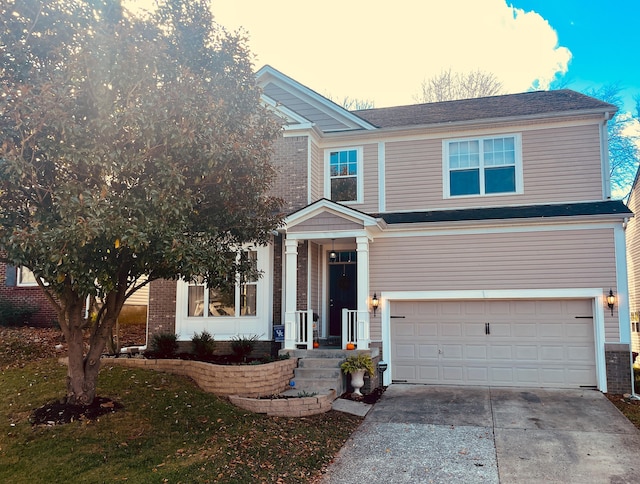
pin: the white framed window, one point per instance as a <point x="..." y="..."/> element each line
<point x="236" y="300"/>
<point x="635" y="322"/>
<point x="482" y="166"/>
<point x="344" y="175"/>
<point x="25" y="277"/>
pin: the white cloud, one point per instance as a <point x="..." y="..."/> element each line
<point x="381" y="50"/>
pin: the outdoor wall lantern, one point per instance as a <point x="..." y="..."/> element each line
<point x="611" y="300"/>
<point x="332" y="255"/>
<point x="375" y="302"/>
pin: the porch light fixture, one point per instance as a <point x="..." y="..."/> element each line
<point x="332" y="255"/>
<point x="375" y="302"/>
<point x="611" y="300"/>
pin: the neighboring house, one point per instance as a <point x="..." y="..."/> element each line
<point x="18" y="286"/>
<point x="633" y="264"/>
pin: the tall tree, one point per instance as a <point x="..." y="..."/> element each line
<point x="624" y="153"/>
<point x="127" y="148"/>
<point x="449" y="86"/>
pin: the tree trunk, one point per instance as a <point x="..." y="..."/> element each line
<point x="82" y="372"/>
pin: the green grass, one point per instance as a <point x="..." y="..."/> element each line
<point x="168" y="431"/>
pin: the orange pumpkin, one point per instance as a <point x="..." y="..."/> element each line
<point x="316" y="344"/>
<point x="351" y="346"/>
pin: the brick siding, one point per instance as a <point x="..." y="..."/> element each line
<point x="46" y="315"/>
<point x="618" y="358"/>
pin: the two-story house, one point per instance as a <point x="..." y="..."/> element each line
<point x="472" y="242"/>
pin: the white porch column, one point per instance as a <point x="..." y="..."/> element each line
<point x="290" y="292"/>
<point x="362" y="248"/>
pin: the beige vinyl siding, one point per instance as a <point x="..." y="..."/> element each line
<point x="632" y="235"/>
<point x="324" y="121"/>
<point x="516" y="260"/>
<point x="317" y="173"/>
<point x="370" y="181"/>
<point x="141" y="296"/>
<point x="323" y="222"/>
<point x="559" y="165"/>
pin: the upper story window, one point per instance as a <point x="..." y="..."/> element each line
<point x="482" y="166"/>
<point x="236" y="299"/>
<point x="344" y="175"/>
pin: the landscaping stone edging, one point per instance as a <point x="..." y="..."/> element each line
<point x="286" y="407"/>
<point x="223" y="380"/>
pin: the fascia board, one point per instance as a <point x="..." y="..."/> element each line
<point x="269" y="74"/>
<point x="325" y="205"/>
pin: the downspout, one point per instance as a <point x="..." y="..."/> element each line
<point x="604" y="154"/>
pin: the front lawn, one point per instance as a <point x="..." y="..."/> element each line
<point x="168" y="431"/>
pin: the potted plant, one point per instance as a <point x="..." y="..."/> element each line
<point x="356" y="366"/>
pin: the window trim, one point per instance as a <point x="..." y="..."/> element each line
<point x="19" y="277"/>
<point x="225" y="328"/>
<point x="359" y="175"/>
<point x="519" y="183"/>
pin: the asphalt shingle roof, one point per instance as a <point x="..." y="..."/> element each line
<point x="494" y="107"/>
<point x="609" y="207"/>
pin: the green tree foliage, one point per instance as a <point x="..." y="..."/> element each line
<point x="127" y="147"/>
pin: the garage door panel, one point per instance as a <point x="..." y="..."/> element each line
<point x="405" y="351"/>
<point x="403" y="329"/>
<point x="501" y="352"/>
<point x="531" y="343"/>
<point x="428" y="351"/>
<point x="451" y="329"/>
<point x="475" y="352"/>
<point x="427" y="329"/>
<point x="525" y="330"/>
<point x="526" y="352"/>
<point x="449" y="351"/>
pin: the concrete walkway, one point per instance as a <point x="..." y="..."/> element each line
<point x="429" y="434"/>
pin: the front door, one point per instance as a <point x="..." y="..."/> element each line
<point x="343" y="286"/>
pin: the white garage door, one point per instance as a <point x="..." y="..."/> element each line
<point x="503" y="343"/>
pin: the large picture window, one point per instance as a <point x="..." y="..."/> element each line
<point x="344" y="167"/>
<point x="234" y="299"/>
<point x="482" y="166"/>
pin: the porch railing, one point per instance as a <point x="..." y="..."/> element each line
<point x="304" y="328"/>
<point x="355" y="328"/>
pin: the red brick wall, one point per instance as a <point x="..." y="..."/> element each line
<point x="162" y="307"/>
<point x="290" y="160"/>
<point x="46" y="315"/>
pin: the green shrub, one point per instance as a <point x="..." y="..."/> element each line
<point x="14" y="313"/>
<point x="203" y="345"/>
<point x="243" y="346"/>
<point x="164" y="345"/>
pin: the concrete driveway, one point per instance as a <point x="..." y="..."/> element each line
<point x="432" y="434"/>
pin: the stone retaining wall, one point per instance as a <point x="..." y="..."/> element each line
<point x="224" y="380"/>
<point x="286" y="407"/>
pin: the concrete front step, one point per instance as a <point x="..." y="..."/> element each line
<point x="318" y="385"/>
<point x="328" y="373"/>
<point x="319" y="362"/>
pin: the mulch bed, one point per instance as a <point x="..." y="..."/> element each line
<point x="630" y="408"/>
<point x="57" y="413"/>
<point x="369" y="398"/>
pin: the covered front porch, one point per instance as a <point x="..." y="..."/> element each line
<point x="327" y="298"/>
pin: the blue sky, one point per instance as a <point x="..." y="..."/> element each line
<point x="381" y="51"/>
<point x="603" y="37"/>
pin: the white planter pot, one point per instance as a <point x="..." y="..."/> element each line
<point x="357" y="381"/>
